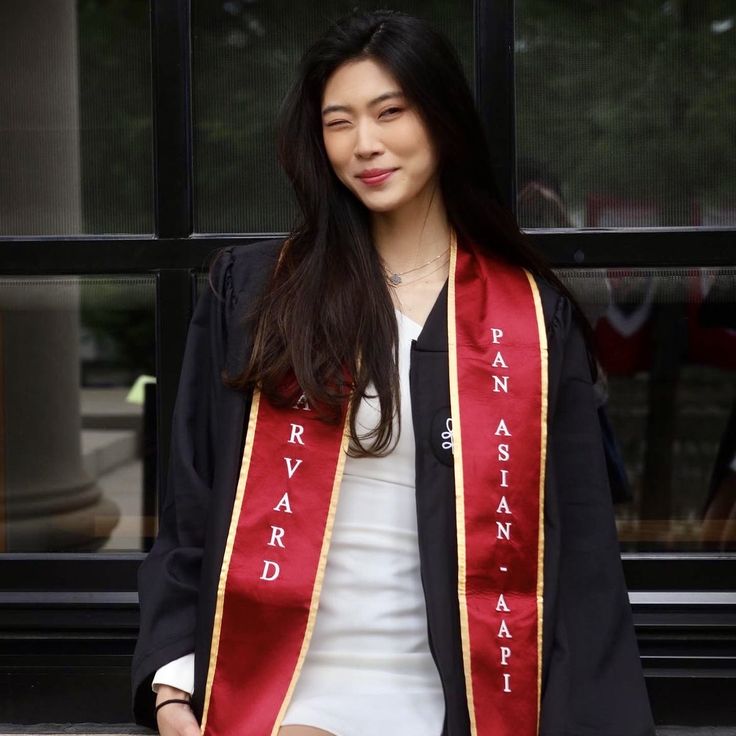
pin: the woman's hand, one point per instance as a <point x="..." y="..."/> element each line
<point x="175" y="719"/>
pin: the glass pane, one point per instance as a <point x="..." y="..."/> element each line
<point x="75" y="117"/>
<point x="244" y="57"/>
<point x="666" y="341"/>
<point x="77" y="413"/>
<point x="625" y="113"/>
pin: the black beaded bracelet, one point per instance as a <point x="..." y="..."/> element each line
<point x="171" y="700"/>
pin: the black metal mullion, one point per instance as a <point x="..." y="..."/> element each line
<point x="172" y="125"/>
<point x="494" y="89"/>
<point x="655" y="247"/>
<point x="673" y="571"/>
<point x="174" y="301"/>
<point x="632" y="248"/>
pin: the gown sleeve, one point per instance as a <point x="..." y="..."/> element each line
<point x="595" y="684"/>
<point x="168" y="578"/>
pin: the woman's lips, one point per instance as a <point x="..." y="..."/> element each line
<point x="373" y="181"/>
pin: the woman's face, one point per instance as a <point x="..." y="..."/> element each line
<point x="367" y="124"/>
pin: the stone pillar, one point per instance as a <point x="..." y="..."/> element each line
<point x="40" y="192"/>
<point x="48" y="501"/>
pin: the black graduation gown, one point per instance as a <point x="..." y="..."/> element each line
<point x="592" y="683"/>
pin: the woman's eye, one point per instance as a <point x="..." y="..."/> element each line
<point x="390" y="110"/>
<point x="334" y="123"/>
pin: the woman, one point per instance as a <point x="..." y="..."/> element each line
<point x="405" y="352"/>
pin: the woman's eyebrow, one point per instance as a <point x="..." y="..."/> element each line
<point x="375" y="101"/>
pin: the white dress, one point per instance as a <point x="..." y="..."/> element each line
<point x="368" y="669"/>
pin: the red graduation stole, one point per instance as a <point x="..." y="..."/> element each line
<point x="287" y="494"/>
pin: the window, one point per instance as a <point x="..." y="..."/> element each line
<point x="666" y="342"/>
<point x="625" y="113"/>
<point x="75" y="118"/>
<point x="79" y="418"/>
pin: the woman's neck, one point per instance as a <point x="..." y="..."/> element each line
<point x="413" y="234"/>
<point x="414" y="239"/>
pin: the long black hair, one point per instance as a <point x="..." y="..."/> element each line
<point x="328" y="309"/>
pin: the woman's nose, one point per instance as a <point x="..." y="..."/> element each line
<point x="367" y="140"/>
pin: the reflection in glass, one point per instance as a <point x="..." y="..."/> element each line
<point x="244" y="56"/>
<point x="75" y="117"/>
<point x="77" y="412"/>
<point x="625" y="113"/>
<point x="666" y="341"/>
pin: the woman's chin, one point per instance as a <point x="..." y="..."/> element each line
<point x="379" y="207"/>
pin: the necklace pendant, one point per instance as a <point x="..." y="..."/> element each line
<point x="395" y="279"/>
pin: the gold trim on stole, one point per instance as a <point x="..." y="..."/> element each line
<point x="459" y="479"/>
<point x="317" y="590"/>
<point x="321" y="565"/>
<point x="543" y="354"/>
<point x="217" y="624"/>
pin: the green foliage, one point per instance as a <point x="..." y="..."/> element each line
<point x="120" y="314"/>
<point x="631" y="98"/>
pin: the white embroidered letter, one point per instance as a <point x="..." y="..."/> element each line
<point x="501" y="382"/>
<point x="276" y="568"/>
<point x="296" y="434"/>
<point x="501" y="605"/>
<point x="505" y="654"/>
<point x="501" y="429"/>
<point x="504" y="478"/>
<point x="503" y="631"/>
<point x="291" y="469"/>
<point x="506" y="686"/>
<point x="504" y="530"/>
<point x="498" y="361"/>
<point x="283" y="502"/>
<point x="503" y="506"/>
<point x="277" y="533"/>
<point x="302" y="403"/>
<point x="496" y="334"/>
<point x="503" y="451"/>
